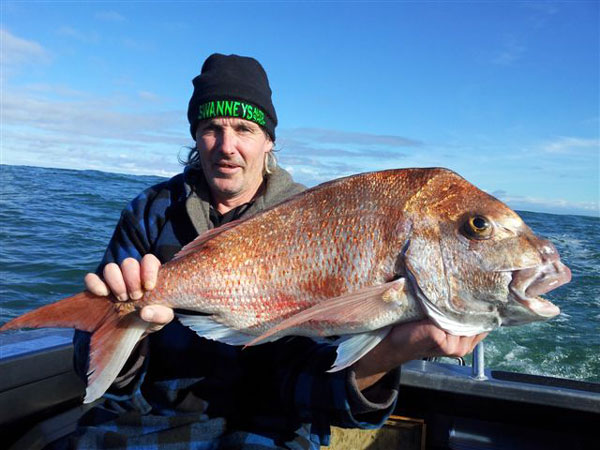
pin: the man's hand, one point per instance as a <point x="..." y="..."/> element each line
<point x="129" y="282"/>
<point x="414" y="340"/>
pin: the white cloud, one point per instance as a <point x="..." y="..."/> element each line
<point x="139" y="132"/>
<point x="541" y="12"/>
<point x="42" y="126"/>
<point x="94" y="117"/>
<point x="319" y="154"/>
<point x="58" y="126"/>
<point x="135" y="45"/>
<point x="546" y="8"/>
<point x="60" y="90"/>
<point x="536" y="204"/>
<point x="109" y="16"/>
<point x="328" y="136"/>
<point x="148" y="96"/>
<point x="74" y="151"/>
<point x="16" y="51"/>
<point x="90" y="37"/>
<point x="512" y="50"/>
<point x="572" y="145"/>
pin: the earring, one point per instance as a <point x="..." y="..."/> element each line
<point x="270" y="162"/>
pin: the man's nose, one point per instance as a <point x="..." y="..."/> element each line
<point x="227" y="141"/>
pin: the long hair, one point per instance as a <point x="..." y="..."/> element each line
<point x="192" y="160"/>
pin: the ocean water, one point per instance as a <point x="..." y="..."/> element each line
<point x="55" y="224"/>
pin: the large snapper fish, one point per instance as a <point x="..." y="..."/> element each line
<point x="349" y="258"/>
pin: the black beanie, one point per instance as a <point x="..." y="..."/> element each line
<point x="232" y="86"/>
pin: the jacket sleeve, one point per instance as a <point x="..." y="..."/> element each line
<point x="130" y="238"/>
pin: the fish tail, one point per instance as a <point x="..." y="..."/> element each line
<point x="114" y="334"/>
<point x="84" y="311"/>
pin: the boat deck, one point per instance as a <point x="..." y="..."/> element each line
<point x="440" y="405"/>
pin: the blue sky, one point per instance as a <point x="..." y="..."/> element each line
<point x="505" y="93"/>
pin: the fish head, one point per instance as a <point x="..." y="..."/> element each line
<point x="474" y="264"/>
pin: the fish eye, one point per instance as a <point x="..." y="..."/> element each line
<point x="478" y="227"/>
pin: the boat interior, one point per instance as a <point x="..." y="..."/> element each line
<point x="442" y="404"/>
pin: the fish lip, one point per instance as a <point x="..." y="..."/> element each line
<point x="529" y="283"/>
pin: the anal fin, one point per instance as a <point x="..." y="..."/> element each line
<point x="207" y="327"/>
<point x="354" y="347"/>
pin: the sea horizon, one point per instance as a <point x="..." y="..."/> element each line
<point x="167" y="176"/>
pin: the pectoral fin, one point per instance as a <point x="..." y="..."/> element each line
<point x="355" y="307"/>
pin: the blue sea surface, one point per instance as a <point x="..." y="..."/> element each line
<point x="55" y="224"/>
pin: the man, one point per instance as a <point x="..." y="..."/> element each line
<point x="179" y="388"/>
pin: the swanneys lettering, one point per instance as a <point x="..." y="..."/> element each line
<point x="231" y="108"/>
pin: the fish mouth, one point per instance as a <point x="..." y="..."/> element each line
<point x="528" y="284"/>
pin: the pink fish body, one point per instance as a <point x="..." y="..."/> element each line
<point x="348" y="258"/>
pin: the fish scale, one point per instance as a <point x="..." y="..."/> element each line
<point x="297" y="271"/>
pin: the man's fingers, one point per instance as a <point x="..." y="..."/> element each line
<point x="454" y="345"/>
<point x="128" y="281"/>
<point x="441" y="343"/>
<point x="130" y="268"/>
<point x="463" y="345"/>
<point x="114" y="279"/>
<point x="157" y="314"/>
<point x="149" y="271"/>
<point x="95" y="285"/>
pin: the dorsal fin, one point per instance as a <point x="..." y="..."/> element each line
<point x="203" y="238"/>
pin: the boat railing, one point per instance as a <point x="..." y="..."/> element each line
<point x="478" y="366"/>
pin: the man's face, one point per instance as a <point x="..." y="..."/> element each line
<point x="232" y="152"/>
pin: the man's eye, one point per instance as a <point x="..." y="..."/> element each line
<point x="209" y="129"/>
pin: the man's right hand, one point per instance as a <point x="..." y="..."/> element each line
<point x="129" y="282"/>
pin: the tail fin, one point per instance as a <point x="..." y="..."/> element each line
<point x="84" y="311"/>
<point x="113" y="335"/>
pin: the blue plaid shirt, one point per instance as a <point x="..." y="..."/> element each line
<point x="182" y="391"/>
